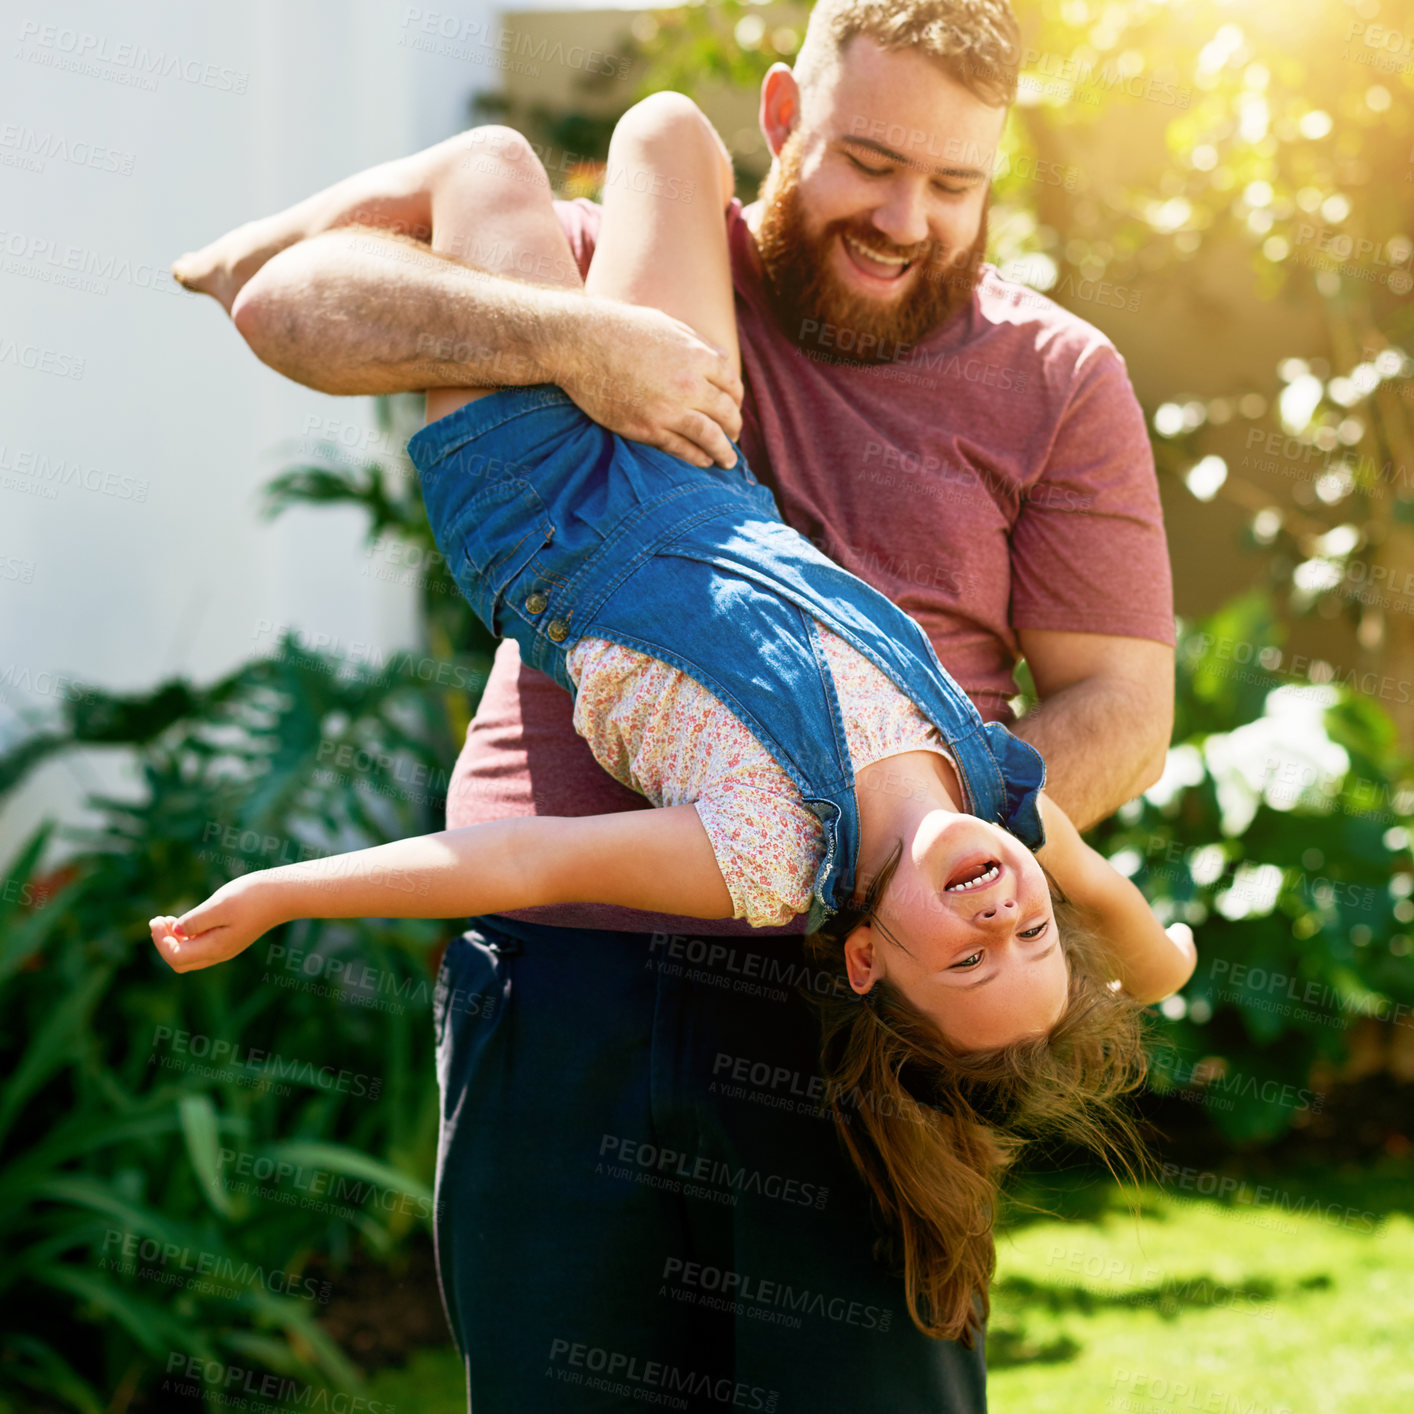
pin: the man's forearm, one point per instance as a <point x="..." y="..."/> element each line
<point x="359" y="311"/>
<point x="1099" y="753"/>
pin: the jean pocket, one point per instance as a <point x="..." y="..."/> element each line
<point x="497" y="534"/>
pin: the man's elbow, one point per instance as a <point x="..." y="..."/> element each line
<point x="271" y="313"/>
<point x="1154" y="749"/>
<point x="263" y="318"/>
<point x="1152" y="769"/>
<point x="250" y="314"/>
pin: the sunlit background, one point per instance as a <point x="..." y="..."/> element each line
<point x="224" y="626"/>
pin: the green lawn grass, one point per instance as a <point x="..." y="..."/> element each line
<point x="1245" y="1307"/>
<point x="1262" y="1304"/>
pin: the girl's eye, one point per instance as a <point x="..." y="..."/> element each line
<point x="968" y="962"/>
<point x="1033" y="932"/>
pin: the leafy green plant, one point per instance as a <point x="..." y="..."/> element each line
<point x="186" y="1162"/>
<point x="1280" y="834"/>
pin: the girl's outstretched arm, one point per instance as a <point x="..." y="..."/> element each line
<point x="658" y="860"/>
<point x="1149" y="964"/>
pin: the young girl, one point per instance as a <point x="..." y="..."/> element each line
<point x="806" y="749"/>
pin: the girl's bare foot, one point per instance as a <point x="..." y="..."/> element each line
<point x="221" y="268"/>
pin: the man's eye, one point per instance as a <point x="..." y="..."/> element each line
<point x="968" y="962"/>
<point x="949" y="191"/>
<point x="873" y="171"/>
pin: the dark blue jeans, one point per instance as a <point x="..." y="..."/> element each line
<point x="639" y="1202"/>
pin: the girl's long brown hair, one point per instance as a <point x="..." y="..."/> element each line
<point x="933" y="1130"/>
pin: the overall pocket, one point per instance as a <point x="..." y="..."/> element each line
<point x="495" y="536"/>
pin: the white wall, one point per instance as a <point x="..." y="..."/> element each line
<point x="164" y="568"/>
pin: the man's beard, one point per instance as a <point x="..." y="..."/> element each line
<point x="809" y="296"/>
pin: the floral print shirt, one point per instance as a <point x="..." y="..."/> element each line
<point x="661" y="733"/>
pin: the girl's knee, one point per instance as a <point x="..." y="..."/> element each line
<point x="666" y="117"/>
<point x="670" y="127"/>
<point x="499" y="153"/>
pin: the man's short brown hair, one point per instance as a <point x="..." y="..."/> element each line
<point x="976" y="42"/>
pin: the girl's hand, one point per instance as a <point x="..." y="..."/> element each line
<point x="215" y="931"/>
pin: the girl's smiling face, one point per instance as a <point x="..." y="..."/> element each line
<point x="965" y="929"/>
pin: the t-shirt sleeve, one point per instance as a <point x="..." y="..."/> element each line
<point x="767" y="848"/>
<point x="580" y="220"/>
<point x="1088" y="551"/>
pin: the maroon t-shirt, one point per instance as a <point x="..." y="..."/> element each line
<point x="996" y="477"/>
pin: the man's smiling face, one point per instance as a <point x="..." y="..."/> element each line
<point x="874" y="214"/>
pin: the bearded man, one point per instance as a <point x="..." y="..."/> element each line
<point x="638" y="1196"/>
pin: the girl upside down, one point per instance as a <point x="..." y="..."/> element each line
<point x="807" y="753"/>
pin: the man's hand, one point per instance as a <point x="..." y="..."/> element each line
<point x="651" y="378"/>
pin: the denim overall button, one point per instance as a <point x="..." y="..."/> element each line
<point x="558" y="630"/>
<point x="536" y="603"/>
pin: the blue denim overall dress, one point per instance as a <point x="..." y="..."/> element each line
<point x="556" y="529"/>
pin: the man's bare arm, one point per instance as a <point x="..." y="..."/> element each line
<point x="363" y="311"/>
<point x="340" y="293"/>
<point x="1104" y="718"/>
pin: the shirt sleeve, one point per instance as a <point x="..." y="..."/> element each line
<point x="1088" y="550"/>
<point x="768" y="849"/>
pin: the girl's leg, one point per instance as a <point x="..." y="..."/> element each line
<point x="393" y="196"/>
<point x="493" y="210"/>
<point x="662" y="240"/>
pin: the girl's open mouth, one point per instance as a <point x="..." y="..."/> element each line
<point x="976" y="873"/>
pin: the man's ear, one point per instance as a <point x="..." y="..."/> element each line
<point x="862" y="963"/>
<point x="780" y="106"/>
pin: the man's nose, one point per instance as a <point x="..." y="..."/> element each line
<point x="903" y="217"/>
